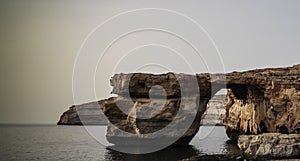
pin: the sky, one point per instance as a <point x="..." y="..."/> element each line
<point x="43" y="44"/>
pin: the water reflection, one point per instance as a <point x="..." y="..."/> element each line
<point x="213" y="140"/>
<point x="210" y="143"/>
<point x="188" y="153"/>
<point x="170" y="153"/>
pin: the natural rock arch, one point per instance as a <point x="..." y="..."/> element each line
<point x="215" y="111"/>
<point x="262" y="100"/>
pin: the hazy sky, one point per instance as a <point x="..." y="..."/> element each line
<point x="40" y="40"/>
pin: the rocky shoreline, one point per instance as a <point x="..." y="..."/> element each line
<point x="270" y="145"/>
<point x="258" y="101"/>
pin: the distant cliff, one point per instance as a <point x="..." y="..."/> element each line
<point x="215" y="112"/>
<point x="89" y="112"/>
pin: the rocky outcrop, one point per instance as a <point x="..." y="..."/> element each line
<point x="87" y="114"/>
<point x="70" y="117"/>
<point x="152" y="109"/>
<point x="270" y="145"/>
<point x="258" y="101"/>
<point x="262" y="101"/>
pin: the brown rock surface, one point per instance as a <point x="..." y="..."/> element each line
<point x="270" y="145"/>
<point x="70" y="117"/>
<point x="153" y="109"/>
<point x="264" y="100"/>
<point x="87" y="114"/>
<point x="258" y="101"/>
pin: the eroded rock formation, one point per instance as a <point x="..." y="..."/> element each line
<point x="270" y="145"/>
<point x="90" y="114"/>
<point x="258" y="101"/>
<point x="152" y="109"/>
<point x="70" y="117"/>
<point x="264" y="100"/>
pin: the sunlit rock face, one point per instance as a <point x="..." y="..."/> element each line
<point x="262" y="101"/>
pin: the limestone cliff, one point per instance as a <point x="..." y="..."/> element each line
<point x="152" y="109"/>
<point x="70" y="117"/>
<point x="264" y="100"/>
<point x="258" y="101"/>
<point x="215" y="111"/>
<point x="90" y="114"/>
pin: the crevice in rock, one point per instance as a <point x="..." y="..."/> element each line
<point x="283" y="130"/>
<point x="263" y="127"/>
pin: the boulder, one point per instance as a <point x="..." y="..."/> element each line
<point x="270" y="145"/>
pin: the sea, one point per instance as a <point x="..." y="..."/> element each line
<point x="52" y="142"/>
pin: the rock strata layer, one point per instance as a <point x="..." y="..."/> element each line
<point x="215" y="112"/>
<point x="263" y="101"/>
<point x="153" y="109"/>
<point x="270" y="145"/>
<point x="85" y="114"/>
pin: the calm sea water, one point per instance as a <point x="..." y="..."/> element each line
<point x="75" y="143"/>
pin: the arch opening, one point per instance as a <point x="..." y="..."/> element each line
<point x="215" y="110"/>
<point x="212" y="137"/>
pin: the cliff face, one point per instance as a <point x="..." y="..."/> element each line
<point x="262" y="101"/>
<point x="258" y="101"/>
<point x="90" y="114"/>
<point x="152" y="109"/>
<point x="70" y="117"/>
<point x="215" y="111"/>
